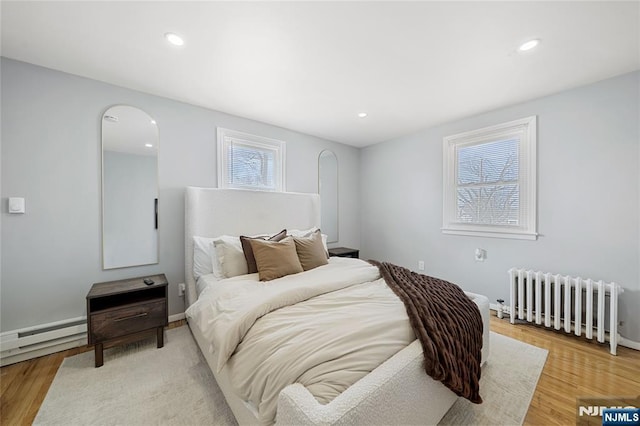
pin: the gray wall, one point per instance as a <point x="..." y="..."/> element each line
<point x="588" y="197"/>
<point x="51" y="156"/>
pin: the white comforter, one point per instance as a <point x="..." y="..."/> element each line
<point x="325" y="328"/>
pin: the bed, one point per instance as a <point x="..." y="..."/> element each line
<point x="393" y="392"/>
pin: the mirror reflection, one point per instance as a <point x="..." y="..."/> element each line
<point x="328" y="190"/>
<point x="129" y="188"/>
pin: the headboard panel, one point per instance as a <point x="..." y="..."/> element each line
<point x="210" y="212"/>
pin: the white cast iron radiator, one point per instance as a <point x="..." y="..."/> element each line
<point x="565" y="301"/>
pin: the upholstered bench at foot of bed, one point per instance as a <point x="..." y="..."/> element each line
<point x="483" y="306"/>
<point x="381" y="397"/>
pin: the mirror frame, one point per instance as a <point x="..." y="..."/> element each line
<point x="328" y="151"/>
<point x="102" y="188"/>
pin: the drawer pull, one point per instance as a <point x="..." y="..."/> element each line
<point x="144" y="314"/>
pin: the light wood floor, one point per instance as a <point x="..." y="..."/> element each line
<point x="575" y="368"/>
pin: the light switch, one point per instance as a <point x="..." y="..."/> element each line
<point x="16" y="205"/>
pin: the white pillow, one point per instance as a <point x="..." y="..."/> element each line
<point x="203" y="256"/>
<point x="302" y="233"/>
<point x="230" y="256"/>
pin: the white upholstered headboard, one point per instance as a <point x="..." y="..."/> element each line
<point x="210" y="212"/>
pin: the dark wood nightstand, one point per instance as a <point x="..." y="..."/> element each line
<point x="344" y="252"/>
<point x="126" y="310"/>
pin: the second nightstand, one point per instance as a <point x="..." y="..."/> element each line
<point x="344" y="252"/>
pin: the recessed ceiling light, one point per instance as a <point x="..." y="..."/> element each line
<point x="148" y="145"/>
<point x="528" y="45"/>
<point x="174" y="39"/>
<point x="153" y="121"/>
<point x="362" y="114"/>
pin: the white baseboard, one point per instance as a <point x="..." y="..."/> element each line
<point x="44" y="339"/>
<point x="177" y="317"/>
<point x="11" y="355"/>
<point x="35" y="353"/>
<point x="623" y="341"/>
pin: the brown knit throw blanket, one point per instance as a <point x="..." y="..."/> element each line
<point x="448" y="325"/>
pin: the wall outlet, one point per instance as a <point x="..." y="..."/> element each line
<point x="420" y="265"/>
<point x="181" y="289"/>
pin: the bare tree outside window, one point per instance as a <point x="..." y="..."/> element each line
<point x="248" y="161"/>
<point x="487" y="183"/>
<point x="249" y="166"/>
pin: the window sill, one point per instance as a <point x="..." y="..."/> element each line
<point x="513" y="235"/>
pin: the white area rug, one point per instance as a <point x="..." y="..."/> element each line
<point x="138" y="384"/>
<point x="141" y="385"/>
<point x="508" y="381"/>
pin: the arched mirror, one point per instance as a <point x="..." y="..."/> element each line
<point x="328" y="190"/>
<point x="129" y="188"/>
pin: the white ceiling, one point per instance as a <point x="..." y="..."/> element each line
<point x="312" y="66"/>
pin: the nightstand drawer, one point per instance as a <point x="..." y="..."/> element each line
<point x="127" y="320"/>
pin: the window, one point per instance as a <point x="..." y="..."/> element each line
<point x="250" y="162"/>
<point x="490" y="181"/>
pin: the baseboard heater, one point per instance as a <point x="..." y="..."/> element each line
<point x="582" y="306"/>
<point x="32" y="342"/>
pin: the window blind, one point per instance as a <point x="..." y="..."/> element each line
<point x="250" y="162"/>
<point x="487" y="186"/>
<point x="248" y="165"/>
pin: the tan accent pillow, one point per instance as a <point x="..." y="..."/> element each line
<point x="311" y="251"/>
<point x="275" y="259"/>
<point x="307" y="233"/>
<point x="248" y="250"/>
